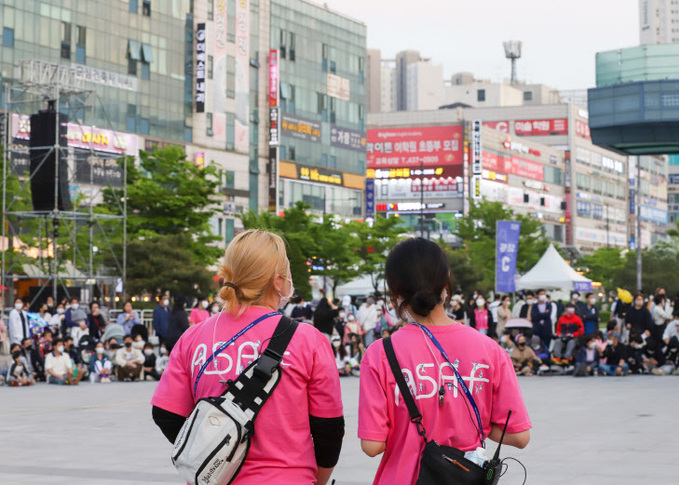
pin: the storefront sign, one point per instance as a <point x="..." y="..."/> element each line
<point x="502" y="126"/>
<point x="151" y="145"/>
<point x="318" y="174"/>
<point x="369" y="197"/>
<point x="347" y="138"/>
<point x="105" y="78"/>
<point x="242" y="123"/>
<point x="272" y="168"/>
<point x="219" y="82"/>
<point x="398" y="173"/>
<point x="274" y="139"/>
<point x="527" y="168"/>
<point x="201" y="59"/>
<point x="541" y="127"/>
<point x="477" y="167"/>
<point x="476" y="187"/>
<point x="582" y="129"/>
<point x="300" y="128"/>
<point x="339" y="87"/>
<point x="429" y="188"/>
<point x="520" y="147"/>
<point x="413" y="147"/>
<point x="273" y="77"/>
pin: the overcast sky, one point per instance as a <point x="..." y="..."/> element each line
<point x="560" y="38"/>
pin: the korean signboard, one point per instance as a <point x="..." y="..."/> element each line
<point x="274" y="140"/>
<point x="369" y="197"/>
<point x="339" y="87"/>
<point x="415" y="188"/>
<point x="416" y="146"/>
<point x="105" y="78"/>
<point x="476" y="187"/>
<point x="527" y="168"/>
<point x="201" y="58"/>
<point x="242" y="124"/>
<point x="219" y="82"/>
<point x="347" y="138"/>
<point x="300" y="128"/>
<point x="541" y="127"/>
<point x="273" y="77"/>
<point x="272" y="166"/>
<point x="476" y="148"/>
<point x="502" y="126"/>
<point x="507" y="249"/>
<point x="582" y="129"/>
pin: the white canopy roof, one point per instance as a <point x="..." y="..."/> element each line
<point x="553" y="273"/>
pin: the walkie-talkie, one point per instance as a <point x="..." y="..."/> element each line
<point x="493" y="467"/>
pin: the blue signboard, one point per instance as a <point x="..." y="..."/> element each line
<point x="369" y="197"/>
<point x="582" y="285"/>
<point x="507" y="248"/>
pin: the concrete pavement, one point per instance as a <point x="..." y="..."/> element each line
<point x="593" y="431"/>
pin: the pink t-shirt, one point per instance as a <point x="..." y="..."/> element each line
<point x="481" y="319"/>
<point x="198" y="315"/>
<point x="383" y="416"/>
<point x="282" y="450"/>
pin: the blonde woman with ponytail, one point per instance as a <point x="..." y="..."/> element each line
<point x="300" y="428"/>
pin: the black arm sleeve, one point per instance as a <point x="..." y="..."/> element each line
<point x="327" y="434"/>
<point x="169" y="423"/>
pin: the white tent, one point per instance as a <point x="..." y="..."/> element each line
<point x="553" y="273"/>
<point x="359" y="287"/>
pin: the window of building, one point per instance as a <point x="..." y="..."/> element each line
<point x="361" y="70"/>
<point x="134" y="6"/>
<point x="582" y="181"/>
<point x="333" y="162"/>
<point x="291" y="55"/>
<point x="144" y="126"/>
<point x="230" y="131"/>
<point x="210" y="10"/>
<point x="325" y="52"/>
<point x="481" y="95"/>
<point x="229" y="179"/>
<point x="132" y="67"/>
<point x="131" y="123"/>
<point x="230" y="77"/>
<point x="80" y="46"/>
<point x="528" y="95"/>
<point x="231" y="21"/>
<point x="291" y="153"/>
<point x="133" y="56"/>
<point x="146" y="8"/>
<point x="7" y="37"/>
<point x="210" y="60"/>
<point x="208" y="125"/>
<point x="283" y="44"/>
<point x="333" y="67"/>
<point x="146" y="60"/>
<point x="65" y="40"/>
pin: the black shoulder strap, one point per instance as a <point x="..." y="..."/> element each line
<point x="415" y="415"/>
<point x="255" y="385"/>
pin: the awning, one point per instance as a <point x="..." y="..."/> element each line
<point x="146" y="53"/>
<point x="133" y="50"/>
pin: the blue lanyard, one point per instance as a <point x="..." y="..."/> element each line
<point x="225" y="345"/>
<point x="459" y="378"/>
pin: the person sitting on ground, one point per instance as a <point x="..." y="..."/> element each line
<point x="18" y="375"/>
<point x="346" y="366"/>
<point x="129" y="361"/>
<point x="587" y="359"/>
<point x="128" y="318"/>
<point x="36" y="363"/>
<point x="616" y="355"/>
<point x="635" y="349"/>
<point x="671" y="334"/>
<point x="45" y="344"/>
<point x="79" y="326"/>
<point x="112" y="347"/>
<point x="568" y="329"/>
<point x="162" y="360"/>
<point x="652" y="355"/>
<point x="100" y="365"/>
<point x="150" y="363"/>
<point x="355" y="347"/>
<point x="96" y="321"/>
<point x="539" y="348"/>
<point x="523" y="357"/>
<point x="73" y="352"/>
<point x="58" y="365"/>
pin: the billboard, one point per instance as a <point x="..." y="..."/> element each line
<point x="220" y="69"/>
<point x="347" y="138"/>
<point x="338" y="87"/>
<point x="541" y="127"/>
<point x="502" y="126"/>
<point x="300" y="128"/>
<point x="242" y="84"/>
<point x="201" y="60"/>
<point x="416" y="146"/>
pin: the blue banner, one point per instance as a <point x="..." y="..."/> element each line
<point x="369" y="197"/>
<point x="507" y="248"/>
<point x="582" y="286"/>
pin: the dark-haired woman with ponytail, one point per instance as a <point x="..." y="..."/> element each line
<point x="435" y="355"/>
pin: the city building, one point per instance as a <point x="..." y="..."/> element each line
<point x="673" y="190"/>
<point x="424" y="89"/>
<point x="464" y="90"/>
<point x="658" y="22"/>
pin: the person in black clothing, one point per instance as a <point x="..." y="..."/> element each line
<point x="652" y="356"/>
<point x="617" y="356"/>
<point x="635" y="358"/>
<point x="36" y="362"/>
<point x="150" y="362"/>
<point x="527" y="308"/>
<point x="302" y="311"/>
<point x="324" y="317"/>
<point x="179" y="322"/>
<point x="541" y="317"/>
<point x="638" y="319"/>
<point x="95" y="321"/>
<point x="456" y="311"/>
<point x="74" y="353"/>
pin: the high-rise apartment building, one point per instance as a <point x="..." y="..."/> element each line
<point x="658" y="21"/>
<point x="424" y="86"/>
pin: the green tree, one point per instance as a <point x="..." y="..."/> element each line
<point x="465" y="276"/>
<point x="478" y="232"/>
<point x="373" y="243"/>
<point x="603" y="265"/>
<point x="335" y="251"/>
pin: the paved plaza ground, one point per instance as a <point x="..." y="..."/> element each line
<point x="601" y="431"/>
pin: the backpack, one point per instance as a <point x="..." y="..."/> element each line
<point x="214" y="441"/>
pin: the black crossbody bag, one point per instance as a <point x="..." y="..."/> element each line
<point x="442" y="465"/>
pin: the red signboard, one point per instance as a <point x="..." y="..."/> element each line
<point x="527" y="168"/>
<point x="273" y="77"/>
<point x="541" y="127"/>
<point x="496" y="163"/>
<point x="582" y="129"/>
<point x="412" y="147"/>
<point x="502" y="126"/>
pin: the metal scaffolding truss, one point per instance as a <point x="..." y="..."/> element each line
<point x="59" y="248"/>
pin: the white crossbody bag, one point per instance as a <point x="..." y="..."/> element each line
<point x="215" y="439"/>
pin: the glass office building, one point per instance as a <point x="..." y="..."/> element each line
<point x="322" y="100"/>
<point x="133" y="53"/>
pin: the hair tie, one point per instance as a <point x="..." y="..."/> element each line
<point x="231" y="285"/>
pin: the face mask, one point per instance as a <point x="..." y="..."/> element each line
<point x="370" y="302"/>
<point x="166" y="302"/>
<point x="570" y="311"/>
<point x="18" y="306"/>
<point x="591" y="345"/>
<point x="576" y="297"/>
<point x="163" y="351"/>
<point x="74" y="306"/>
<point x="529" y="302"/>
<point x="351" y="318"/>
<point x="503" y="339"/>
<point x="638" y="303"/>
<point x="60" y="349"/>
<point x="99" y="350"/>
<point x="480" y="302"/>
<point x="204" y="305"/>
<point x="50" y="305"/>
<point x="285" y="299"/>
<point x="341" y="315"/>
<point x="592" y="301"/>
<point x="542" y="298"/>
<point x="16" y="354"/>
<point x="128" y="344"/>
<point x="138" y="345"/>
<point x="215" y="309"/>
<point x="336" y="344"/>
<point x="60" y="311"/>
<point x="148" y="352"/>
<point x="637" y="346"/>
<point x="609" y="342"/>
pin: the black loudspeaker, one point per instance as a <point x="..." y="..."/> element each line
<point x="43" y="161"/>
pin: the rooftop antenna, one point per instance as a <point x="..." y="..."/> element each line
<point x="513" y="52"/>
